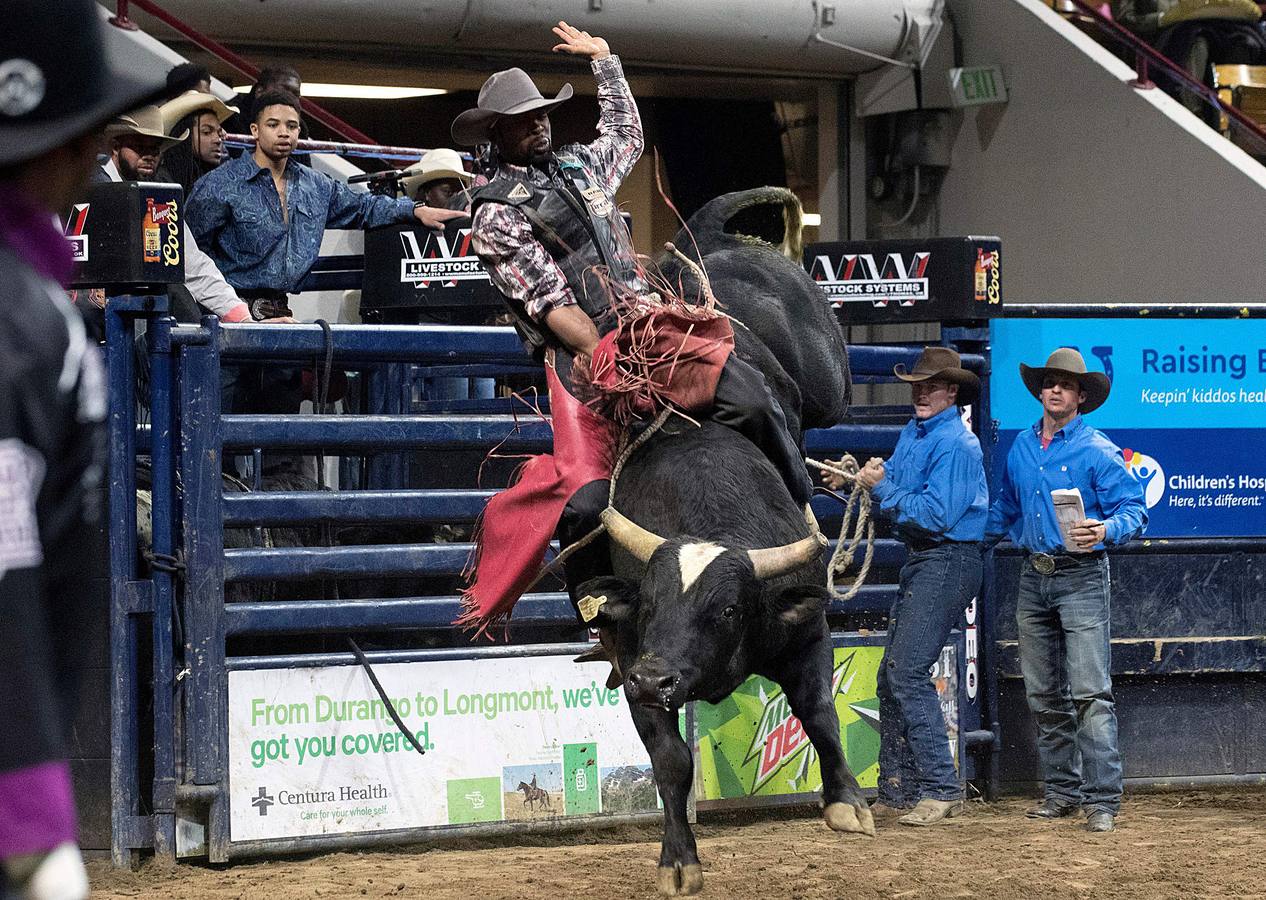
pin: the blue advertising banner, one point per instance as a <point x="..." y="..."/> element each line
<point x="1187" y="408"/>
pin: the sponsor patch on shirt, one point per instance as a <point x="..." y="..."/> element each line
<point x="21" y="474"/>
<point x="598" y="203"/>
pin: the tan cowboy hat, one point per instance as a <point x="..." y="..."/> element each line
<point x="507" y="93"/>
<point x="147" y="122"/>
<point x="435" y="165"/>
<point x="194" y="101"/>
<point x="1067" y="361"/>
<point x="943" y="364"/>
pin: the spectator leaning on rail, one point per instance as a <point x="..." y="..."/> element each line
<point x="1063" y="608"/>
<point x="201" y="116"/>
<point x="935" y="491"/>
<point x="137" y="142"/>
<point x="261" y="217"/>
<point x="52" y="404"/>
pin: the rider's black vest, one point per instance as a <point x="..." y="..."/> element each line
<point x="580" y="228"/>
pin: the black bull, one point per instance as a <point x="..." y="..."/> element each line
<point x="718" y="574"/>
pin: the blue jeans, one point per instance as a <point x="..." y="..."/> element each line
<point x="1064" y="627"/>
<point x="914" y="753"/>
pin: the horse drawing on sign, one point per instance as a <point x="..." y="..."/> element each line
<point x="533" y="794"/>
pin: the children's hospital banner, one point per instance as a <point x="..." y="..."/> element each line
<point x="1187" y="407"/>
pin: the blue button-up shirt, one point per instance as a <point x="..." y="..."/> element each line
<point x="235" y="215"/>
<point x="1078" y="457"/>
<point x="935" y="486"/>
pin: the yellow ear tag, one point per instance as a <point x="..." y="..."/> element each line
<point x="589" y="606"/>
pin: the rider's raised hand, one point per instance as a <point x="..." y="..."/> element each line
<point x="579" y="43"/>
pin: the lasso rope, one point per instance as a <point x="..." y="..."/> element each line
<point x="856" y="517"/>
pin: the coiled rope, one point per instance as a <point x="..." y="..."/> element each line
<point x="856" y="518"/>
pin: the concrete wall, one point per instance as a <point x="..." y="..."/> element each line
<point x="1100" y="192"/>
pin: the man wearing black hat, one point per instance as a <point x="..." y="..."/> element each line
<point x="1063" y="608"/>
<point x="52" y="404"/>
<point x="934" y="490"/>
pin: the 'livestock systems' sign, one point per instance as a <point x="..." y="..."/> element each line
<point x="917" y="280"/>
<point x="751" y="745"/>
<point x="1188" y="408"/>
<point x="409" y="267"/>
<point x="314" y="751"/>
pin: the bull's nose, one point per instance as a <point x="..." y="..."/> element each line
<point x="651" y="688"/>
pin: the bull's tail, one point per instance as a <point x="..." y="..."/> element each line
<point x="765" y="217"/>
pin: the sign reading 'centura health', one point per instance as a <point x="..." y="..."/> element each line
<point x="314" y="751"/>
<point x="1188" y="408"/>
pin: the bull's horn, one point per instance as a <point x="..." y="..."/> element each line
<point x="770" y="562"/>
<point x="629" y="535"/>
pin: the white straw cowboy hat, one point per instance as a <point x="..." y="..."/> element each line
<point x="194" y="101"/>
<point x="507" y="93"/>
<point x="147" y="122"/>
<point x="1067" y="361"/>
<point x="435" y="165"/>
<point x="943" y="364"/>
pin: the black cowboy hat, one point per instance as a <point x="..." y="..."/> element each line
<point x="55" y="84"/>
<point x="1067" y="361"/>
<point x="943" y="364"/>
<point x="506" y="93"/>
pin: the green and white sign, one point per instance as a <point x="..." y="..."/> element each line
<point x="977" y="85"/>
<point x="751" y="745"/>
<point x="314" y="751"/>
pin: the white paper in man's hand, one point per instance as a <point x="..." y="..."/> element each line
<point x="1069" y="513"/>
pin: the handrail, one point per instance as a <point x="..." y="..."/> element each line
<point x="375" y="151"/>
<point x="1145" y="53"/>
<point x="238" y="63"/>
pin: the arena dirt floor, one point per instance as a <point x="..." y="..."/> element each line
<point x="1179" y="845"/>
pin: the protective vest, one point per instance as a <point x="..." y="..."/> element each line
<point x="583" y="233"/>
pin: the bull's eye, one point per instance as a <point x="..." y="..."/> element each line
<point x="730" y="612"/>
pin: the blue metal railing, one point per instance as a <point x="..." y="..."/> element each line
<point x="184" y="602"/>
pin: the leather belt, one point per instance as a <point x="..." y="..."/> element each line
<point x="1048" y="564"/>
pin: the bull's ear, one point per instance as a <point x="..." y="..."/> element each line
<point x="607" y="600"/>
<point x="802" y="603"/>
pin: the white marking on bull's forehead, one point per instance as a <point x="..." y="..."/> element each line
<point x="693" y="559"/>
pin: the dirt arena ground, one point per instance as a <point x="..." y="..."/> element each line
<point x="1179" y="845"/>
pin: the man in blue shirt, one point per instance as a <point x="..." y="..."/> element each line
<point x="1063" y="610"/>
<point x="261" y="216"/>
<point x="934" y="490"/>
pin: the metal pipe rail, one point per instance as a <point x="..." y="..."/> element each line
<point x="290" y="563"/>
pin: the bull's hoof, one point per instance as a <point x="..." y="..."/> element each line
<point x="846" y="817"/>
<point x="679" y="880"/>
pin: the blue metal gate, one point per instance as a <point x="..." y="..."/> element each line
<point x="175" y="639"/>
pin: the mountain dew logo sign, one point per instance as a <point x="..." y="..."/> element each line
<point x="750" y="744"/>
<point x="779" y="740"/>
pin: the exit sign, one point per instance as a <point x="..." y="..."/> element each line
<point x="977" y="85"/>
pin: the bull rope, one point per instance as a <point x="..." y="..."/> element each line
<point x="566" y="552"/>
<point x="857" y="517"/>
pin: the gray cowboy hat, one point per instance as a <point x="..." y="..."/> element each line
<point x="55" y="81"/>
<point x="507" y="93"/>
<point x="943" y="364"/>
<point x="1067" y="361"/>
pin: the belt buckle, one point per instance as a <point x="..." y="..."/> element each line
<point x="1043" y="563"/>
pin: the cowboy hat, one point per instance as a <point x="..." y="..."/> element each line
<point x="55" y="83"/>
<point x="943" y="364"/>
<point x="1067" y="361"/>
<point x="507" y="93"/>
<point x="194" y="101"/>
<point x="435" y="165"/>
<point x="146" y="122"/>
